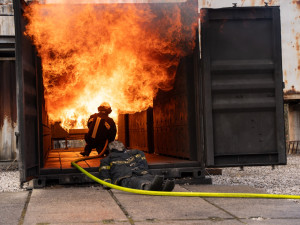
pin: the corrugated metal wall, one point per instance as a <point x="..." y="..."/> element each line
<point x="173" y="115"/>
<point x="243" y="86"/>
<point x="123" y="129"/>
<point x="168" y="128"/>
<point x="290" y="33"/>
<point x="8" y="112"/>
<point x="140" y="130"/>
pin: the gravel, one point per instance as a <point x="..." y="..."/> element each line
<point x="9" y="178"/>
<point x="283" y="179"/>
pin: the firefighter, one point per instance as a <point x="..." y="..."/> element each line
<point x="129" y="168"/>
<point x="101" y="128"/>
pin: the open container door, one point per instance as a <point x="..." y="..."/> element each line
<point x="242" y="86"/>
<point x="27" y="69"/>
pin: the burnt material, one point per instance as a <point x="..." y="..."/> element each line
<point x="123" y="129"/>
<point x="8" y="110"/>
<point x="174" y="115"/>
<point x="29" y="88"/>
<point x="141" y="130"/>
<point x="242" y="86"/>
<point x="136" y="130"/>
<point x="169" y="129"/>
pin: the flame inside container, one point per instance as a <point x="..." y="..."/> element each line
<point x="117" y="53"/>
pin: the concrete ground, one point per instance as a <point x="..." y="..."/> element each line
<point x="94" y="205"/>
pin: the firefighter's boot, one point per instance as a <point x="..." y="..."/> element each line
<point x="84" y="154"/>
<point x="168" y="185"/>
<point x="156" y="184"/>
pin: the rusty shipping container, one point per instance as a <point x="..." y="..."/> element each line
<point x="8" y="111"/>
<point x="226" y="107"/>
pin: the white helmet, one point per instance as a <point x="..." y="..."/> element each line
<point x="117" y="145"/>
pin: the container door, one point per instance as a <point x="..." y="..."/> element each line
<point x="242" y="86"/>
<point x="27" y="99"/>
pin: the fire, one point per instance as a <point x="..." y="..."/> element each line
<point x="117" y="53"/>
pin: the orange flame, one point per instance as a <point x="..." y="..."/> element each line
<point x="118" y="53"/>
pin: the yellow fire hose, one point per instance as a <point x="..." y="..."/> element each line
<point x="181" y="194"/>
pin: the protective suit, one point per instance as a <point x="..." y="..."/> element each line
<point x="101" y="128"/>
<point x="129" y="168"/>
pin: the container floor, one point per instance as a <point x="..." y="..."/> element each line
<point x="62" y="158"/>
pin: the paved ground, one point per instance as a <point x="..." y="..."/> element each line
<point x="94" y="205"/>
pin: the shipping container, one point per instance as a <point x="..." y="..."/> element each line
<point x="225" y="109"/>
<point x="8" y="111"/>
<point x="243" y="87"/>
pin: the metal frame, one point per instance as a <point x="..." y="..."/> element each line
<point x="28" y="99"/>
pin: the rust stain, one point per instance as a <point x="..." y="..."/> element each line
<point x="298" y="55"/>
<point x="7" y="94"/>
<point x="222" y="26"/>
<point x="297" y="43"/>
<point x="297" y="3"/>
<point x="292" y="91"/>
<point x="202" y="15"/>
<point x="206" y="4"/>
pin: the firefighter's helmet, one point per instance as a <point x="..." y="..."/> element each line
<point x="104" y="108"/>
<point x="117" y="145"/>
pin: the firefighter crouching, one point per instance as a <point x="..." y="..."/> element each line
<point x="129" y="168"/>
<point x="101" y="128"/>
